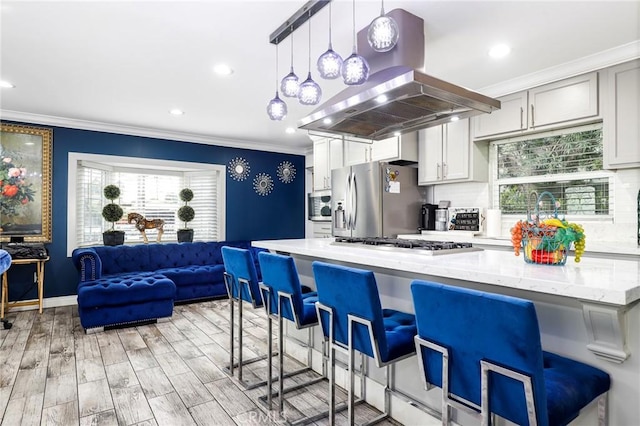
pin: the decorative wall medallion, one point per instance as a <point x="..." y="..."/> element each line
<point x="239" y="169"/>
<point x="263" y="184"/>
<point x="286" y="172"/>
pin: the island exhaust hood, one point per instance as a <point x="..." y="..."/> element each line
<point x="398" y="98"/>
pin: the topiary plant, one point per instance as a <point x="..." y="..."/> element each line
<point x="186" y="212"/>
<point x="112" y="212"/>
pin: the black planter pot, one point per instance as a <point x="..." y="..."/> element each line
<point x="185" y="235"/>
<point x="113" y="238"/>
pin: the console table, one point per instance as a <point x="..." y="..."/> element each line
<point x="4" y="300"/>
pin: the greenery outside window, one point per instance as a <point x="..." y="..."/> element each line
<point x="567" y="163"/>
<point x="148" y="187"/>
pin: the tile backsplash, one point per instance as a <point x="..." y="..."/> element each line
<point x="621" y="230"/>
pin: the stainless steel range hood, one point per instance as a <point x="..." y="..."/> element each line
<point x="398" y="98"/>
<point x="414" y="101"/>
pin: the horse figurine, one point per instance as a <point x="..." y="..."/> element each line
<point x="143" y="224"/>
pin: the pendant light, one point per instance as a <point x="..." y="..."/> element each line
<point x="383" y="32"/>
<point x="329" y="63"/>
<point x="276" y="108"/>
<point x="309" y="92"/>
<point x="355" y="69"/>
<point x="290" y="84"/>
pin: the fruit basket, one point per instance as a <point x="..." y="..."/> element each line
<point x="544" y="238"/>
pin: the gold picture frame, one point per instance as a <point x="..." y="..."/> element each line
<point x="25" y="183"/>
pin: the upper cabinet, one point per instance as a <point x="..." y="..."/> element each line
<point x="397" y="148"/>
<point x="621" y="131"/>
<point x="327" y="155"/>
<point x="571" y="99"/>
<point x="447" y="154"/>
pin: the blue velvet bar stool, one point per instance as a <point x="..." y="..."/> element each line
<point x="283" y="299"/>
<point x="484" y="351"/>
<point x="352" y="319"/>
<point x="241" y="280"/>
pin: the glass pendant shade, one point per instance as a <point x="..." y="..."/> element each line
<point x="310" y="92"/>
<point x="290" y="85"/>
<point x="276" y="108"/>
<point x="355" y="70"/>
<point x="383" y="33"/>
<point x="329" y="64"/>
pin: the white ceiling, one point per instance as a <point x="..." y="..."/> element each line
<point x="127" y="64"/>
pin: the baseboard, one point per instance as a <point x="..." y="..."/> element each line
<point x="49" y="302"/>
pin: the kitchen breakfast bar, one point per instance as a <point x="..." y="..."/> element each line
<point x="587" y="311"/>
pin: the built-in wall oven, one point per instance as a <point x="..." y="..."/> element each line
<point x="319" y="206"/>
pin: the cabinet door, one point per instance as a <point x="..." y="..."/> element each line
<point x="321" y="229"/>
<point x="621" y="125"/>
<point x="320" y="164"/>
<point x="357" y="153"/>
<point x="386" y="149"/>
<point x="566" y="100"/>
<point x="455" y="150"/>
<point x="430" y="155"/>
<point x="511" y="117"/>
<point x="336" y="157"/>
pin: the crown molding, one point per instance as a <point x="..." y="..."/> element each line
<point x="51" y="120"/>
<point x="597" y="61"/>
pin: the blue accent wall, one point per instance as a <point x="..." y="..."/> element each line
<point x="249" y="216"/>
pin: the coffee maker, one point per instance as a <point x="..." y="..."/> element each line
<point x="428" y="217"/>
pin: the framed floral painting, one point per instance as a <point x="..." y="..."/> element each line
<point x="25" y="183"/>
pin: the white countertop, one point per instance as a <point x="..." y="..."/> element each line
<point x="608" y="248"/>
<point x="612" y="281"/>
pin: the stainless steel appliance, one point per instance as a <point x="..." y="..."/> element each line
<point x="375" y="200"/>
<point x="442" y="219"/>
<point x="414" y="100"/>
<point x="428" y="214"/>
<point x="427" y="247"/>
<point x="319" y="206"/>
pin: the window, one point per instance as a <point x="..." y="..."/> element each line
<point x="567" y="163"/>
<point x="148" y="187"/>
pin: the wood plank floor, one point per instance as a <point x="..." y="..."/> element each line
<point x="169" y="373"/>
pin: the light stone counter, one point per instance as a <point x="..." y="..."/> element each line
<point x="588" y="311"/>
<point x="610" y="281"/>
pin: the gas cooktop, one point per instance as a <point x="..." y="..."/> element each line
<point x="429" y="247"/>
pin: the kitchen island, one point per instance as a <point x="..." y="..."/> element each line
<point x="588" y="311"/>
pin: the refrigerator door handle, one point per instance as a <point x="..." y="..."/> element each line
<point x="355" y="201"/>
<point x="347" y="202"/>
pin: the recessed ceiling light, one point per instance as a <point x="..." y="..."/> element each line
<point x="222" y="69"/>
<point x="499" y="51"/>
<point x="176" y="111"/>
<point x="455" y="118"/>
<point x="290" y="130"/>
<point x="381" y="99"/>
<point x="327" y="121"/>
<point x="397" y="134"/>
<point x="6" y="85"/>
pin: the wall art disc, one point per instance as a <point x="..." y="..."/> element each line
<point x="286" y="172"/>
<point x="263" y="184"/>
<point x="239" y="169"/>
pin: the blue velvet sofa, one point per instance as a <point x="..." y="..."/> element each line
<point x="131" y="283"/>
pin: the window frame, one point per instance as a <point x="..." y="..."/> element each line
<point x="138" y="165"/>
<point x="555" y="177"/>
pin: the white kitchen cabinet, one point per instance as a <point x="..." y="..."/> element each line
<point x="321" y="229"/>
<point x="511" y="117"/>
<point x="567" y="100"/>
<point x="356" y="153"/>
<point x="621" y="128"/>
<point x="447" y="154"/>
<point x="397" y="148"/>
<point x="327" y="155"/>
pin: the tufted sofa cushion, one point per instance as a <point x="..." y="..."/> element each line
<point x="126" y="289"/>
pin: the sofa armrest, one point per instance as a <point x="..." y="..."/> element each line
<point x="88" y="264"/>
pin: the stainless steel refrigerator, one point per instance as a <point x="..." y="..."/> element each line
<point x="375" y="200"/>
